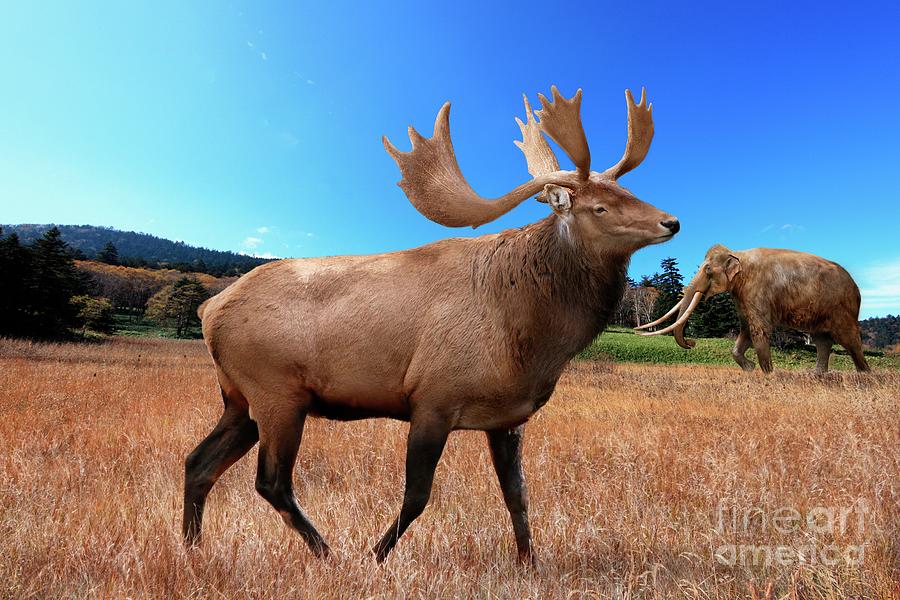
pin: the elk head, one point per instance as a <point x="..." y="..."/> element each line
<point x="592" y="206"/>
<point x="716" y="275"/>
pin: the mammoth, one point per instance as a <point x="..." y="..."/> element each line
<point x="771" y="288"/>
<point x="463" y="333"/>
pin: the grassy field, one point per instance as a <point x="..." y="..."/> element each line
<point x="640" y="477"/>
<point x="139" y="326"/>
<point x="622" y="345"/>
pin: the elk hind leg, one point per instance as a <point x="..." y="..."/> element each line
<point x="231" y="439"/>
<point x="280" y="432"/>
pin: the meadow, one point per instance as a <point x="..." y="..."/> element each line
<point x="622" y="345"/>
<point x="646" y="481"/>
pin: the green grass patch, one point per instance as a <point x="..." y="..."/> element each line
<point x="137" y="326"/>
<point x="622" y="345"/>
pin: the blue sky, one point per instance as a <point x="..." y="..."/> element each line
<point x="255" y="126"/>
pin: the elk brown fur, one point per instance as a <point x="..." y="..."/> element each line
<point x="464" y="333"/>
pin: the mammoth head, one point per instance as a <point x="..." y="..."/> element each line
<point x="717" y="274"/>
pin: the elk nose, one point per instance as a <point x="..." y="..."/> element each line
<point x="672" y="225"/>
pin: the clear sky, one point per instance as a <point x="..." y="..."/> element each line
<point x="255" y="126"/>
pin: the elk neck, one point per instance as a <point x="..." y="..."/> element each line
<point x="553" y="294"/>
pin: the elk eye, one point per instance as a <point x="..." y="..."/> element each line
<point x="599" y="210"/>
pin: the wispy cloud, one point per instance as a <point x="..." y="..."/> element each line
<point x="881" y="288"/>
<point x="786" y="228"/>
<point x="264" y="56"/>
<point x="263" y="229"/>
<point x="260" y="255"/>
<point x="251" y="242"/>
<point x="289" y="139"/>
<point x="308" y="81"/>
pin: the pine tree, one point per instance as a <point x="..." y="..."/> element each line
<point x="15" y="262"/>
<point x="670" y="284"/>
<point x="52" y="281"/>
<point x="109" y="254"/>
<point x="714" y="317"/>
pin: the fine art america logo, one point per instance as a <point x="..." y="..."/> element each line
<point x="818" y="535"/>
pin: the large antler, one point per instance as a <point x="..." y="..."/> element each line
<point x="561" y="120"/>
<point x="640" y="134"/>
<point x="540" y="158"/>
<point x="435" y="185"/>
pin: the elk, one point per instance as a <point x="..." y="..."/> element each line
<point x="463" y="333"/>
<point x="772" y="287"/>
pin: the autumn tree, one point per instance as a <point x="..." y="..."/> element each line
<point x="176" y="305"/>
<point x="95" y="314"/>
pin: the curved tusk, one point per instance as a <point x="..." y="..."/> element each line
<point x="671" y="312"/>
<point x="687" y="315"/>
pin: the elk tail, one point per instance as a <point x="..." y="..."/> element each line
<point x="202" y="308"/>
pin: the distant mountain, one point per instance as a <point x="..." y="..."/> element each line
<point x="142" y="249"/>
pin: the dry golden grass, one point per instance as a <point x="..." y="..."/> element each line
<point x="626" y="466"/>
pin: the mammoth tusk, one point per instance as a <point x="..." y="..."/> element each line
<point x="681" y="321"/>
<point x="671" y="312"/>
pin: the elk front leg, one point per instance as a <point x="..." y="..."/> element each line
<point x="280" y="432"/>
<point x="506" y="452"/>
<point x="760" y="338"/>
<point x="424" y="446"/>
<point x="740" y="350"/>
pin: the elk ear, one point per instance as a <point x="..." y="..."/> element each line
<point x="558" y="197"/>
<point x="732" y="266"/>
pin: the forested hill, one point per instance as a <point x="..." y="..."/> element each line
<point x="142" y="249"/>
<point x="881" y="332"/>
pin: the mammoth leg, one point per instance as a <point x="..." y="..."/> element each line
<point x="423" y="450"/>
<point x="853" y="344"/>
<point x="823" y="351"/>
<point x="279" y="439"/>
<point x="506" y="452"/>
<point x="231" y="439"/>
<point x="760" y="338"/>
<point x="740" y="350"/>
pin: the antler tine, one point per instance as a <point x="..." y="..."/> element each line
<point x="640" y="134"/>
<point x="540" y="158"/>
<point x="434" y="184"/>
<point x="561" y="120"/>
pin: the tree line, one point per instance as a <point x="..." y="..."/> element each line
<point x="654" y="295"/>
<point x="141" y="250"/>
<point x="46" y="295"/>
<point x="50" y="291"/>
